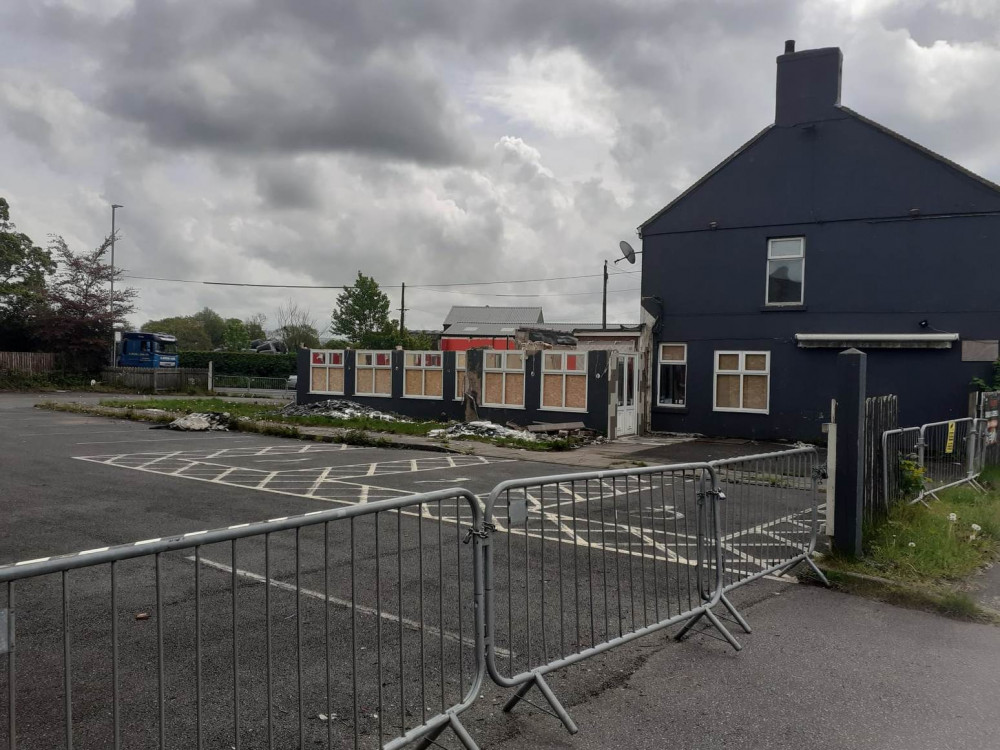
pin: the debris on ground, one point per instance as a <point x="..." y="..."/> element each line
<point x="481" y="428"/>
<point x="208" y="421"/>
<point x="339" y="408"/>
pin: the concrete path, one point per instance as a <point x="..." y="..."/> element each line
<point x="821" y="670"/>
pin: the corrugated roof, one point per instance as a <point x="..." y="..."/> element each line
<point x="491" y="315"/>
<point x="486" y="330"/>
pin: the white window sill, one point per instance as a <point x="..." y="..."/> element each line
<point x="741" y="411"/>
<point x="424" y="398"/>
<point x="502" y="406"/>
<point x="327" y="393"/>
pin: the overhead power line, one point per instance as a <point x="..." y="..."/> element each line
<point x="428" y="287"/>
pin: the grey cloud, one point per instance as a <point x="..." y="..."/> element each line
<point x="288" y="186"/>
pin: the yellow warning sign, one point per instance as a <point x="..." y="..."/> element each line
<point x="949" y="447"/>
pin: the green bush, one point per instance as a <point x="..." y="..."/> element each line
<point x="242" y="363"/>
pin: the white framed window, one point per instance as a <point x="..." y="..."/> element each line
<point x="742" y="381"/>
<point x="423" y="375"/>
<point x="503" y="379"/>
<point x="326" y="371"/>
<point x="461" y="380"/>
<point x="786" y="267"/>
<point x="564" y="381"/>
<point x="373" y="373"/>
<point x="672" y="390"/>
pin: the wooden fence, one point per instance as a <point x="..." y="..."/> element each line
<point x="31" y="363"/>
<point x="881" y="414"/>
<point x="153" y="379"/>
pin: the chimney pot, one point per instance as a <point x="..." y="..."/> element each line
<point x="789" y="46"/>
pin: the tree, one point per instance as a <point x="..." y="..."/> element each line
<point x="213" y="324"/>
<point x="235" y="337"/>
<point x="190" y="333"/>
<point x="296" y="327"/>
<point x="255" y="326"/>
<point x="362" y="313"/>
<point x="82" y="311"/>
<point x="24" y="268"/>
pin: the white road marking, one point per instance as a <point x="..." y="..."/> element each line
<point x="441" y="481"/>
<point x="407" y="622"/>
<point x="278" y="460"/>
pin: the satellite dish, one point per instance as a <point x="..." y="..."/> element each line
<point x="627" y="251"/>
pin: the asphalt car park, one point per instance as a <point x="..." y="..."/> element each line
<point x="376" y="613"/>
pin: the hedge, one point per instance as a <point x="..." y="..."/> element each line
<point x="242" y="363"/>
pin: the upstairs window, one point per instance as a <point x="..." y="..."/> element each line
<point x="786" y="262"/>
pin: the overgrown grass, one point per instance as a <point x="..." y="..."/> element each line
<point x="924" y="544"/>
<point x="272" y="413"/>
<point x="53" y="381"/>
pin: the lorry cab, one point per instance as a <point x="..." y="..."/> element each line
<point x="141" y="349"/>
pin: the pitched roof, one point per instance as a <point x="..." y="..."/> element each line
<point x="922" y="149"/>
<point x="746" y="146"/>
<point x="487" y="314"/>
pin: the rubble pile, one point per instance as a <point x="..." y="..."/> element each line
<point x="339" y="408"/>
<point x="481" y="428"/>
<point x="209" y="421"/>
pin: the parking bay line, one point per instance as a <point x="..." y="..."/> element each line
<point x="412" y="624"/>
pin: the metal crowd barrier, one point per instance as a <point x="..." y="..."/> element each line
<point x="769" y="517"/>
<point x="355" y="627"/>
<point x="367" y="625"/>
<point x="946" y="451"/>
<point x="635" y="551"/>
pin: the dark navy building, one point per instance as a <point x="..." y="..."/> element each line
<point x="824" y="231"/>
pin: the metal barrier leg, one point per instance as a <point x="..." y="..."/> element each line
<point x="543" y="687"/>
<point x="456" y="726"/>
<point x="736" y="615"/>
<point x="717" y="623"/>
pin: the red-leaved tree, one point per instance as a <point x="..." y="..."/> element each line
<point x="82" y="312"/>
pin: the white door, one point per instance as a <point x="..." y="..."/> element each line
<point x="627" y="420"/>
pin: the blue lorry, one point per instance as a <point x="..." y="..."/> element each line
<point x="141" y="349"/>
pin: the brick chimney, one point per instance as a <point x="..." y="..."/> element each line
<point x="808" y="84"/>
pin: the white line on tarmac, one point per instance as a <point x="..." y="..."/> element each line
<point x="166" y="440"/>
<point x="412" y="624"/>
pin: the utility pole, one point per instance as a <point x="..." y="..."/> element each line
<point x="111" y="302"/>
<point x="402" y="310"/>
<point x="604" y="305"/>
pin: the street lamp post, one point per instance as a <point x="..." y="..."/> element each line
<point x="111" y="301"/>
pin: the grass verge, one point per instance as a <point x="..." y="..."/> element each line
<point x="269" y="413"/>
<point x="922" y="556"/>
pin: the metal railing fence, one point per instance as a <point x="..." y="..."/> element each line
<point x="249" y="383"/>
<point x="354" y="627"/>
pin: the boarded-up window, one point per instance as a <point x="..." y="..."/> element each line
<point x="461" y="381"/>
<point x="742" y="381"/>
<point x="503" y="379"/>
<point x="326" y="371"/>
<point x="422" y="375"/>
<point x="373" y="373"/>
<point x="564" y="381"/>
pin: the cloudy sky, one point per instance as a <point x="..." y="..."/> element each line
<point x="431" y="141"/>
